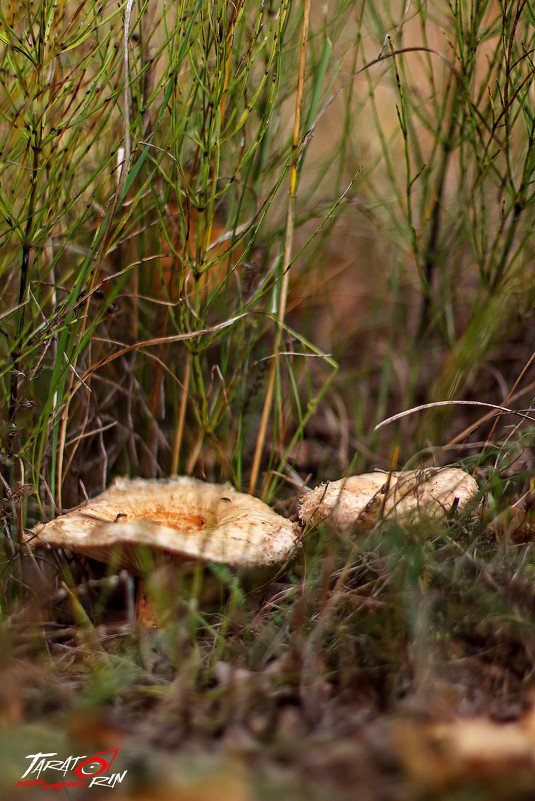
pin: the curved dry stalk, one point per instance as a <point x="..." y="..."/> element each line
<point x="415" y="409"/>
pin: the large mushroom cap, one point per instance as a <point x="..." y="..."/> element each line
<point x="180" y="516"/>
<point x="359" y="501"/>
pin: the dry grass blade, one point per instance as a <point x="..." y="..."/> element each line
<point x="437" y="404"/>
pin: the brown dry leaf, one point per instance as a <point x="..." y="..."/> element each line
<point x="216" y="247"/>
<point x="362" y="500"/>
<point x="474" y="749"/>
<point x="182" y="517"/>
<point x="518" y="524"/>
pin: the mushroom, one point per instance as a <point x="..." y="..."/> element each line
<point x="155" y="525"/>
<point x="179" y="518"/>
<point x="359" y="501"/>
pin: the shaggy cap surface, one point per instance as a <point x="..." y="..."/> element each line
<point x="359" y="501"/>
<point x="181" y="516"/>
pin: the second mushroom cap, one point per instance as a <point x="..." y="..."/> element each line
<point x="359" y="501"/>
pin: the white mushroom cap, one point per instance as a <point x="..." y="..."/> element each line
<point x="180" y="516"/>
<point x="359" y="501"/>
